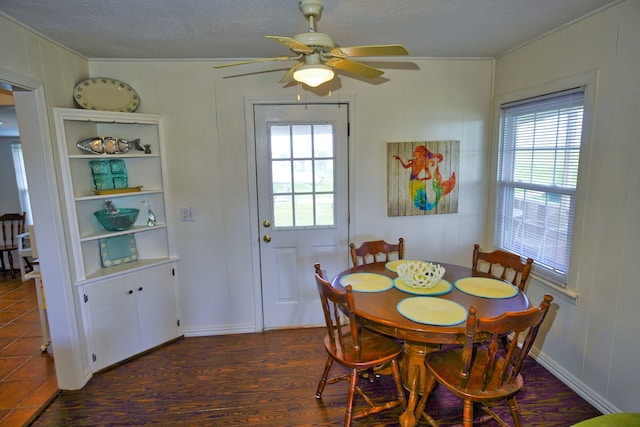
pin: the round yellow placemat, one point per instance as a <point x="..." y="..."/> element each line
<point x="432" y="311"/>
<point x="486" y="287"/>
<point x="367" y="282"/>
<point x="441" y="288"/>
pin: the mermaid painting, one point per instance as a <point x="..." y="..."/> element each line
<point x="422" y="166"/>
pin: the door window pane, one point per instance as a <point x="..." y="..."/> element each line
<point x="283" y="210"/>
<point x="303" y="176"/>
<point x="301" y="135"/>
<point x="324" y="209"/>
<point x="323" y="141"/>
<point x="281" y="176"/>
<point x="280" y="142"/>
<point x="323" y="175"/>
<point x="304" y="210"/>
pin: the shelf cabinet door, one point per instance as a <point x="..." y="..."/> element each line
<point x="129" y="314"/>
<point x="112" y="319"/>
<point x="156" y="305"/>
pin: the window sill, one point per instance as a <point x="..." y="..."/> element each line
<point x="567" y="294"/>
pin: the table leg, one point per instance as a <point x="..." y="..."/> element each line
<point x="408" y="418"/>
<point x="414" y="376"/>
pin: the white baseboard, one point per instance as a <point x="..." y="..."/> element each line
<point x="599" y="402"/>
<point x="203" y="332"/>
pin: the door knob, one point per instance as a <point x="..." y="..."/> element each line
<point x="266" y="238"/>
<point x="266" y="223"/>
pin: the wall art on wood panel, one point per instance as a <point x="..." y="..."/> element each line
<point x="421" y="177"/>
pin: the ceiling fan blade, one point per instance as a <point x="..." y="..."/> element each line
<point x="277" y="58"/>
<point x="289" y="76"/>
<point x="374" y="50"/>
<point x="355" y="67"/>
<point x="292" y="44"/>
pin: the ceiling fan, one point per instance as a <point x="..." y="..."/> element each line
<point x="318" y="54"/>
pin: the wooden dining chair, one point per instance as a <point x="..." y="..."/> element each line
<point x="355" y="348"/>
<point x="477" y="374"/>
<point x="375" y="249"/>
<point x="12" y="224"/>
<point x="501" y="265"/>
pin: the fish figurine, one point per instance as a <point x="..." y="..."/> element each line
<point x="109" y="145"/>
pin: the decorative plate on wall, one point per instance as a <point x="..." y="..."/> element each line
<point x="106" y="94"/>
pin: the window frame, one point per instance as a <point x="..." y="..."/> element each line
<point x="588" y="81"/>
<point x="554" y="118"/>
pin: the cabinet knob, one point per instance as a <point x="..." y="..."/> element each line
<point x="140" y="288"/>
<point x="130" y="292"/>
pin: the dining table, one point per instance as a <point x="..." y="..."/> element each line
<point x="424" y="318"/>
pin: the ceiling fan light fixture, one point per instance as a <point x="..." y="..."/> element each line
<point x="313" y="75"/>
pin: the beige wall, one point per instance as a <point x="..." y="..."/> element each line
<point x="595" y="342"/>
<point x="208" y="167"/>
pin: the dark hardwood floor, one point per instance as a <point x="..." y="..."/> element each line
<point x="265" y="379"/>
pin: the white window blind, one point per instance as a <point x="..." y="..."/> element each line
<point x="537" y="177"/>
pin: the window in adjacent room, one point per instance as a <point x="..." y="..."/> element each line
<point x="21" y="180"/>
<point x="539" y="150"/>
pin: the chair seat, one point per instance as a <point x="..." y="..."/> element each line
<point x="446" y="367"/>
<point x="376" y="349"/>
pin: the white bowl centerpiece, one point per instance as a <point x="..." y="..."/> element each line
<point x="420" y="274"/>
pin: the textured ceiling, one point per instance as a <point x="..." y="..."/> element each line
<point x="235" y="29"/>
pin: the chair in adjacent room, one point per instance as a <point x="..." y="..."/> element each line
<point x="373" y="250"/>
<point x="501" y="265"/>
<point x="355" y="348"/>
<point x="27" y="253"/>
<point x="12" y="224"/>
<point x="477" y="374"/>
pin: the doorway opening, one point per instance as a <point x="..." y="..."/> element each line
<point x="37" y="148"/>
<point x="26" y="333"/>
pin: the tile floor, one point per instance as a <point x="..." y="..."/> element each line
<point x="27" y="375"/>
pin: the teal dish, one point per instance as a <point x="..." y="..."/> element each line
<point x="117" y="221"/>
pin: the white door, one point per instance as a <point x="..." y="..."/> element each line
<point x="301" y="173"/>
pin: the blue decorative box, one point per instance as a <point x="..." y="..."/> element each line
<point x="109" y="174"/>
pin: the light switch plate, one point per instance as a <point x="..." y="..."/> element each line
<point x="187" y="214"/>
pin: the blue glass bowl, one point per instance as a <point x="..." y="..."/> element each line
<point x="119" y="221"/>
